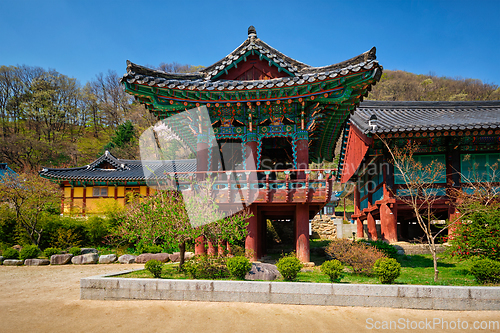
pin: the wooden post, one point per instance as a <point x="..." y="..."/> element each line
<point x="84" y="205"/>
<point x="302" y="232"/>
<point x="252" y="240"/>
<point x="372" y="227"/>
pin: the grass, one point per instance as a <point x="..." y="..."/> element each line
<point x="415" y="270"/>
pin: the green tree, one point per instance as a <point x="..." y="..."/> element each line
<point x="31" y="197"/>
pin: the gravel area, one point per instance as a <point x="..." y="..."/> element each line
<point x="47" y="299"/>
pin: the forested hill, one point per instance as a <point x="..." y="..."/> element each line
<point x="404" y="86"/>
<point x="49" y="120"/>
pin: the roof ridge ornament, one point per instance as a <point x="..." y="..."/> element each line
<point x="252" y="32"/>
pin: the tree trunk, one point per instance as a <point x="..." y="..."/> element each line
<point x="182" y="251"/>
<point x="432" y="247"/>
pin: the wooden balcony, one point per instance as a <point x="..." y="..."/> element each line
<point x="263" y="186"/>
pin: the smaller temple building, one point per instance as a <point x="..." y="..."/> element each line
<point x="462" y="136"/>
<point x="91" y="189"/>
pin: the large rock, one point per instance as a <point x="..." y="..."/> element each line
<point x="13" y="262"/>
<point x="176" y="256"/>
<point x="262" y="271"/>
<point x="145" y="257"/>
<point x="85" y="259"/>
<point x="86" y="250"/>
<point x="127" y="259"/>
<point x="36" y="262"/>
<point x="107" y="258"/>
<point x="61" y="259"/>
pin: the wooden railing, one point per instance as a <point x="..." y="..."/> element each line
<point x="261" y="186"/>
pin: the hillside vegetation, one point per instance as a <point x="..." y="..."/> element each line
<point x="403" y="86"/>
<point x="48" y="119"/>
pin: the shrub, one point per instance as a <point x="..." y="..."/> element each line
<point x="76" y="251"/>
<point x="289" y="267"/>
<point x="154" y="267"/>
<point x="204" y="267"/>
<point x="387" y="249"/>
<point x="359" y="256"/>
<point x="29" y="252"/>
<point x="10" y="253"/>
<point x="97" y="228"/>
<point x="387" y="269"/>
<point x="486" y="270"/>
<point x="332" y="268"/>
<point x="50" y="251"/>
<point x="150" y="249"/>
<point x="238" y="266"/>
<point x="480" y="235"/>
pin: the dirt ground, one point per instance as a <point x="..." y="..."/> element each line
<point x="47" y="299"/>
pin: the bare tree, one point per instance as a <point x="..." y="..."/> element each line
<point x="420" y="191"/>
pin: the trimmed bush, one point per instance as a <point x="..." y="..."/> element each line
<point x="29" y="252"/>
<point x="204" y="267"/>
<point x="332" y="268"/>
<point x="361" y="257"/>
<point x="238" y="266"/>
<point x="389" y="250"/>
<point x="150" y="249"/>
<point x="154" y="267"/>
<point x="289" y="267"/>
<point x="10" y="253"/>
<point x="387" y="269"/>
<point x="486" y="271"/>
<point x="76" y="251"/>
<point x="50" y="251"/>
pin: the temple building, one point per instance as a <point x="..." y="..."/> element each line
<point x="462" y="136"/>
<point x="277" y="111"/>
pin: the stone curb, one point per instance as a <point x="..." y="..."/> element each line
<point x="111" y="287"/>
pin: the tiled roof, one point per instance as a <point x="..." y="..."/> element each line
<point x="206" y="78"/>
<point x="6" y="171"/>
<point x="393" y="116"/>
<point x="125" y="170"/>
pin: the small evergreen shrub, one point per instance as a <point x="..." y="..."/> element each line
<point x="50" y="251"/>
<point x="486" y="271"/>
<point x="29" y="252"/>
<point x="76" y="251"/>
<point x="205" y="267"/>
<point x="289" y="267"/>
<point x="387" y="269"/>
<point x="361" y="257"/>
<point x="154" y="267"/>
<point x="238" y="266"/>
<point x="388" y="249"/>
<point x="10" y="253"/>
<point x="332" y="268"/>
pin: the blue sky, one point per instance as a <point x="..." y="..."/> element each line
<point x="82" y="38"/>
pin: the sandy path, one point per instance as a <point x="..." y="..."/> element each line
<point x="47" y="299"/>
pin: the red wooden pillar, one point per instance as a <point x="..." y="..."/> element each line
<point x="72" y="197"/>
<point x="372" y="228"/>
<point x="62" y="198"/>
<point x="302" y="157"/>
<point x="302" y="232"/>
<point x="357" y="211"/>
<point x="251" y="155"/>
<point x="199" y="246"/>
<point x="389" y="222"/>
<point x="252" y="240"/>
<point x="84" y="205"/>
<point x="453" y="216"/>
<point x="220" y="247"/>
<point x="211" y="249"/>
<point x="201" y="157"/>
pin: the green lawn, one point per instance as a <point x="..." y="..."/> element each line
<point x="416" y="269"/>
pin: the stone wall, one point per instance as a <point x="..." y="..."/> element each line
<point x="323" y="227"/>
<point x="394" y="296"/>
